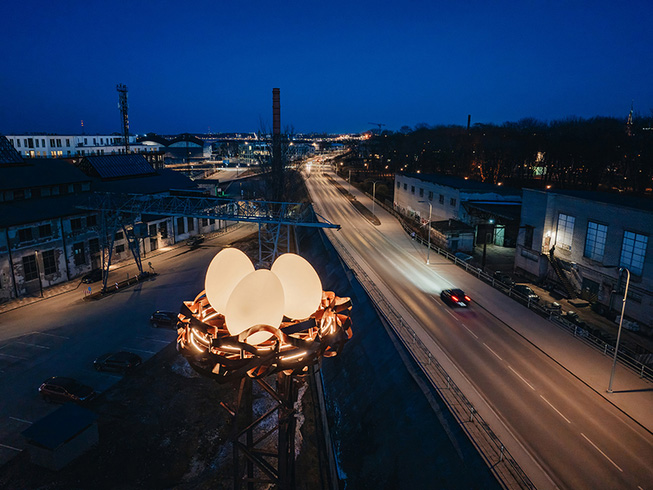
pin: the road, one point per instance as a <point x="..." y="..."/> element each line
<point x="62" y="335"/>
<point x="563" y="433"/>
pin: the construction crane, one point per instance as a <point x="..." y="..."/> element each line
<point x="377" y="124"/>
<point x="124" y="107"/>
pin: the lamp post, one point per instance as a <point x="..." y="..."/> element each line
<point x="428" y="250"/>
<point x="621" y="320"/>
<point x="38" y="271"/>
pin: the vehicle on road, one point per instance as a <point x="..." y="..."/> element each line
<point x="504" y="279"/>
<point x="526" y="292"/>
<point x="164" y="319"/>
<point x="120" y="362"/>
<point x="455" y="297"/>
<point x="195" y="241"/>
<point x="94" y="276"/>
<point x="62" y="389"/>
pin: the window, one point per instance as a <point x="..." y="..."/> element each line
<point x="633" y="252"/>
<point x="94" y="245"/>
<point x="29" y="268"/>
<point x="441" y="199"/>
<point x="152" y="230"/>
<point x="565" y="231"/>
<point x="118" y="236"/>
<point x="421" y="192"/>
<point x="37" y="144"/>
<point x="398" y="185"/>
<point x="17" y="143"/>
<point x="180" y="226"/>
<point x="43" y="141"/>
<point x="79" y="254"/>
<point x="191" y="224"/>
<point x="24" y="235"/>
<point x="45" y="230"/>
<point x="211" y="221"/>
<point x="430" y="195"/>
<point x="120" y="249"/>
<point x="528" y="237"/>
<point x="412" y="189"/>
<point x="405" y="186"/>
<point x="205" y="222"/>
<point x="163" y="229"/>
<point x="49" y="262"/>
<point x="595" y="240"/>
<point x="29" y="142"/>
<point x="67" y="141"/>
<point x="91" y="220"/>
<point x="76" y="224"/>
<point x="452" y="201"/>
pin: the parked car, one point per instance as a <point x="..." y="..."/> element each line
<point x="164" y="319"/>
<point x="527" y="292"/>
<point x="455" y="297"/>
<point x="62" y="389"/>
<point x="121" y="362"/>
<point x="94" y="276"/>
<point x="194" y="241"/>
<point x="504" y="278"/>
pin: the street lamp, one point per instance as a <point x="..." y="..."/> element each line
<point x="428" y="250"/>
<point x="38" y="271"/>
<point x="621" y="320"/>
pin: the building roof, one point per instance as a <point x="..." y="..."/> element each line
<point x="463" y="184"/>
<point x="628" y="201"/>
<point x="62" y="425"/>
<point x="507" y="210"/>
<point x="155" y="138"/>
<point x="161" y="181"/>
<point x="8" y="154"/>
<point x="185" y="137"/>
<point x="116" y="166"/>
<point x="38" y="172"/>
<point x="451" y="225"/>
<point x="15" y="213"/>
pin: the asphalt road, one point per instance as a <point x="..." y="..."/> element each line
<point x="564" y="434"/>
<point x="62" y="335"/>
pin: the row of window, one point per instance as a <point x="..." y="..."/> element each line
<point x="452" y="200"/>
<point x="30" y="233"/>
<point x="58" y="142"/>
<point x="37" y="192"/>
<point x="31" y="269"/>
<point x="633" y="246"/>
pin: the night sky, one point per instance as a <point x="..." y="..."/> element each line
<point x="191" y="66"/>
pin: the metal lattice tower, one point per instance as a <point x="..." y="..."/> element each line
<point x="124" y="107"/>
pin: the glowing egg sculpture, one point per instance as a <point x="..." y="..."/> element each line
<point x="301" y="284"/>
<point x="253" y="323"/>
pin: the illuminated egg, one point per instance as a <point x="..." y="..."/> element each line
<point x="226" y="270"/>
<point x="257" y="299"/>
<point x="301" y="285"/>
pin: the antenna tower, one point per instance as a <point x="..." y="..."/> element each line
<point x="124" y="107"/>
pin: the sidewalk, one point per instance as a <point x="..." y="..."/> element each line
<point x="119" y="272"/>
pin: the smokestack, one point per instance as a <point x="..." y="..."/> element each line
<point x="276" y="111"/>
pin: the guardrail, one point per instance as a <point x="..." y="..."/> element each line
<point x="498" y="458"/>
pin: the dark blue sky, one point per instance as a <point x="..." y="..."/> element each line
<point x="191" y="66"/>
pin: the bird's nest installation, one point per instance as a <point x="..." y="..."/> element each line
<point x="249" y="324"/>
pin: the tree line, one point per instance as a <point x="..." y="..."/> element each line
<point x="599" y="153"/>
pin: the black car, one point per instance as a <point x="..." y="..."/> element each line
<point x="526" y="292"/>
<point x="504" y="279"/>
<point x="121" y="362"/>
<point x="61" y="389"/>
<point x="194" y="241"/>
<point x="455" y="297"/>
<point x="94" y="276"/>
<point x="164" y="319"/>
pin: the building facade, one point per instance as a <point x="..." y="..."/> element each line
<point x="589" y="236"/>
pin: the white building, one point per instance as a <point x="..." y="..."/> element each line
<point x="63" y="146"/>
<point x="591" y="235"/>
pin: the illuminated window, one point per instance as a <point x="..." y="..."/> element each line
<point x="565" y="231"/>
<point x="595" y="240"/>
<point x="633" y="252"/>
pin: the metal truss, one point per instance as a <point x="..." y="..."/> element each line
<point x="266" y="212"/>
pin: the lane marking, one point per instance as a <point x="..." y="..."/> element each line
<point x="32" y="345"/>
<point x="604" y="455"/>
<point x="475" y="336"/>
<point x="20" y="420"/>
<point x="53" y="335"/>
<point x="138" y="350"/>
<point x="15" y="357"/>
<point x="488" y="348"/>
<point x="554" y="408"/>
<point x="11" y="447"/>
<point x="520" y="377"/>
